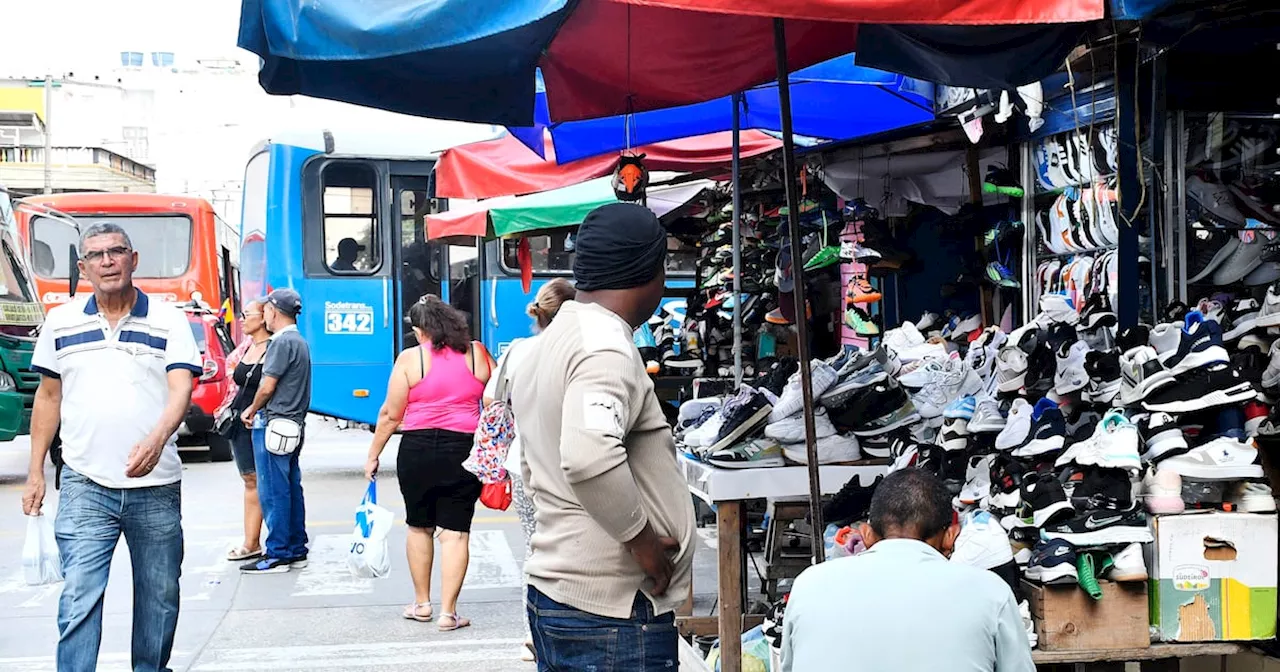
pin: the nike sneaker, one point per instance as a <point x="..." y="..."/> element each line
<point x="977" y="480"/>
<point x="982" y="542"/>
<point x="860" y="322"/>
<point x="987" y="416"/>
<point x="1053" y="562"/>
<point x="1103" y="369"/>
<point x="1044" y="499"/>
<point x="1097" y="312"/>
<point x="1096" y="528"/>
<point x="1011" y="369"/>
<point x="1069" y="375"/>
<point x="1047" y="433"/>
<point x="1001" y="180"/>
<point x="1017" y="427"/>
<point x="860" y="291"/>
<point x="954" y="435"/>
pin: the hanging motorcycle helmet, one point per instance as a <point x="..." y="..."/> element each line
<point x="631" y="178"/>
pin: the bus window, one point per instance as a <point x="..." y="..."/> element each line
<point x="464" y="283"/>
<point x="163" y="243"/>
<point x="550" y="255"/>
<point x="351" y="244"/>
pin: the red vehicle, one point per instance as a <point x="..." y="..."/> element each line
<point x="214" y="341"/>
<point x="185" y="251"/>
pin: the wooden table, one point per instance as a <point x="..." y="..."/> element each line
<point x="726" y="490"/>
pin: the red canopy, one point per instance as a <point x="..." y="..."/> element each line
<point x="505" y="167"/>
<point x="666" y="53"/>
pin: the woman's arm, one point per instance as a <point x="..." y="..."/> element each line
<point x="392" y="411"/>
<point x="479" y="354"/>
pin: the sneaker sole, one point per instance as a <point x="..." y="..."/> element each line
<point x="278" y="569"/>
<point x="1117" y="534"/>
<point x="1216" y="473"/>
<point x="753" y="423"/>
<point x="1051" y="575"/>
<point x="980" y="428"/>
<point x="1256" y="504"/>
<point x="1165" y="504"/>
<point x="1036" y="447"/>
<point x="1131" y="575"/>
<point x="1240" y="393"/>
<point x="1043" y="516"/>
<point x="1165" y="442"/>
<point x="903" y="422"/>
<point x="749" y="464"/>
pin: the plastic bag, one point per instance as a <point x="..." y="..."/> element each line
<point x="370" y="556"/>
<point x="41" y="563"/>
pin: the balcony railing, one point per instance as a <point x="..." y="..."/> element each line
<point x="78" y="156"/>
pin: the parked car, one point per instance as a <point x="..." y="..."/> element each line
<point x="214" y="341"/>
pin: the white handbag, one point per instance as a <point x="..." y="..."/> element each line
<point x="283" y="436"/>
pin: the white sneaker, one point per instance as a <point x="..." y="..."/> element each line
<point x="954" y="434"/>
<point x="831" y="449"/>
<point x="792" y="399"/>
<point x="965" y="327"/>
<point x="1024" y="610"/>
<point x="1070" y="375"/>
<point x="791" y="429"/>
<point x="1056" y="308"/>
<point x="986" y="416"/>
<point x="903" y="338"/>
<point x="1141" y="373"/>
<point x="947" y="380"/>
<point x="1271" y="375"/>
<point x="926" y="320"/>
<point x="705" y="434"/>
<point x="1222" y="459"/>
<point x="1269" y="313"/>
<point x="1017" y="426"/>
<point x="1129" y="565"/>
<point x="982" y="543"/>
<point x="1114" y="445"/>
<point x="1251" y="497"/>
<point x="1011" y="369"/>
<point x="1162" y="491"/>
<point x="977" y="480"/>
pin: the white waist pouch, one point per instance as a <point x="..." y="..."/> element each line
<point x="283" y="436"/>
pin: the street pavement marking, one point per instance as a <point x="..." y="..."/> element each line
<point x="492" y="563"/>
<point x="359" y="656"/>
<point x="326" y="572"/>
<point x="208" y="577"/>
<point x="16" y="584"/>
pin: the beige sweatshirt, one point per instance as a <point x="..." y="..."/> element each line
<point x="599" y="462"/>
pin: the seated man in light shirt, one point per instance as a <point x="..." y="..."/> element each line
<point x="912" y="610"/>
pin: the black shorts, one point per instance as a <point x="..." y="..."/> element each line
<point x="437" y="491"/>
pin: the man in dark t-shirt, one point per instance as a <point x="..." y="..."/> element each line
<point x="277" y="417"/>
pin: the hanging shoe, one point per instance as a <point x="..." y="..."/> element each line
<point x="824" y="257"/>
<point x="852" y="250"/>
<point x="860" y="322"/>
<point x="860" y="290"/>
<point x="1000" y="275"/>
<point x="1000" y="180"/>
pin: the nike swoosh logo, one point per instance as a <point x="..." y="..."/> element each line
<point x="1095" y="523"/>
<point x="1061" y="550"/>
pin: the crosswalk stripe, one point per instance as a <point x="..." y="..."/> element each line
<point x="492" y="564"/>
<point x="358" y="656"/>
<point x="326" y="572"/>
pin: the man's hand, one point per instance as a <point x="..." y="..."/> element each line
<point x="371" y="469"/>
<point x="144" y="457"/>
<point x="33" y="496"/>
<point x="246" y="417"/>
<point x="651" y="552"/>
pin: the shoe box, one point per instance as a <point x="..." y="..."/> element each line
<point x="1214" y="577"/>
<point x="1067" y="619"/>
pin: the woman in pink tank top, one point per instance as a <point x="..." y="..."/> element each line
<point x="434" y="397"/>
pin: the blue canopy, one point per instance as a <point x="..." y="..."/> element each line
<point x="834" y="100"/>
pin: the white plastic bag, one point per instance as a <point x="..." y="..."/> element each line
<point x="41" y="563"/>
<point x="370" y="557"/>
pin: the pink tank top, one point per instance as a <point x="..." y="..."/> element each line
<point x="448" y="397"/>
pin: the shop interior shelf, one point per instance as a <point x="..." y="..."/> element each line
<point x="1040" y="254"/>
<point x="712" y="484"/>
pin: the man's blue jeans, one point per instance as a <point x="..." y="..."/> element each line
<point x="280" y="493"/>
<point x="571" y="640"/>
<point x="90" y="520"/>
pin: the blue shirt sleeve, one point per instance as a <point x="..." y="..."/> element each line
<point x="1013" y="651"/>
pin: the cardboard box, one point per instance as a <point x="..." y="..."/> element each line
<point x="1067" y="619"/>
<point x="1214" y="577"/>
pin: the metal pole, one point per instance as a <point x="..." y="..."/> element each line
<point x="737" y="242"/>
<point x="48" y="131"/>
<point x="797" y="272"/>
<point x="1129" y="166"/>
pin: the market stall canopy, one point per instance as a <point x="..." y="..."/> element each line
<point x="475" y="60"/>
<point x="834" y="100"/>
<point x="554" y="209"/>
<point x="505" y="167"/>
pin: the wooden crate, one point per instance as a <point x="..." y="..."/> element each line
<point x="1067" y="619"/>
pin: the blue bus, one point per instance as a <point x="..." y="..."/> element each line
<point x="342" y="220"/>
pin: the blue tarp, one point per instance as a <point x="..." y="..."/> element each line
<point x="404" y="55"/>
<point x="835" y="100"/>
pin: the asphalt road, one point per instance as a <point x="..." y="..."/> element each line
<point x="320" y="617"/>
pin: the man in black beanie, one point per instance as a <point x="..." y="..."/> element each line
<point x="613" y="548"/>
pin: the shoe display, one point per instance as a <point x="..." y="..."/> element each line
<point x="1114" y="445"/>
<point x="987" y="416"/>
<point x="791" y="401"/>
<point x="1161" y="437"/>
<point x="1162" y="491"/>
<point x="1047" y="433"/>
<point x="1017" y="427"/>
<point x="1251" y="497"/>
<point x="1102" y="527"/>
<point x="1128" y="565"/>
<point x="1046" y="499"/>
<point x="1053" y="562"/>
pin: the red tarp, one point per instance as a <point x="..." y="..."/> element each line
<point x="666" y="53"/>
<point x="505" y="167"/>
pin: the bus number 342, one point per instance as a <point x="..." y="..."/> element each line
<point x="348" y="322"/>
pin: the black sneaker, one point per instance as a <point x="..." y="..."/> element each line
<point x="1251" y="363"/>
<point x="743" y="414"/>
<point x="1162" y="437"/>
<point x="851" y="503"/>
<point x="1006" y="481"/>
<point x="1200" y="345"/>
<point x="1095" y="528"/>
<point x="1103" y="490"/>
<point x="1044" y="500"/>
<point x="1134" y="337"/>
<point x="775" y="380"/>
<point x="1208" y="249"/>
<point x="1242" y="316"/>
<point x="1104" y="376"/>
<point x="265" y="566"/>
<point x="1218" y="384"/>
<point x="1097" y="312"/>
<point x="875" y="409"/>
<point x="1052" y="562"/>
<point x="1080" y="425"/>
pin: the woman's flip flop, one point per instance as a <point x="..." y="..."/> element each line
<point x="412" y="612"/>
<point x="458" y="622"/>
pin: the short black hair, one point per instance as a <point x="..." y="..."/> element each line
<point x="911" y="503"/>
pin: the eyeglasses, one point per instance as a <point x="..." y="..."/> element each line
<point x="245" y="316"/>
<point x="117" y="252"/>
